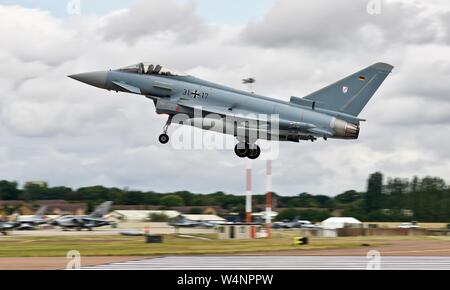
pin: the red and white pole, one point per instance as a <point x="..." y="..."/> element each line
<point x="268" y="197"/>
<point x="248" y="193"/>
<point x="248" y="199"/>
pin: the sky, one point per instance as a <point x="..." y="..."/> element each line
<point x="214" y="11"/>
<point x="55" y="129"/>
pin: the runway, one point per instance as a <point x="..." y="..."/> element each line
<point x="280" y="263"/>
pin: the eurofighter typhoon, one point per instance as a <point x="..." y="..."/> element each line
<point x="331" y="112"/>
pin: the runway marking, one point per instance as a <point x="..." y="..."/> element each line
<point x="26" y="241"/>
<point x="276" y="263"/>
<point x="416" y="251"/>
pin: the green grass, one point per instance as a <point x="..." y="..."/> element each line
<point x="135" y="246"/>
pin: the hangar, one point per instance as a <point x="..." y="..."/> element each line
<point x="333" y="223"/>
<point x="140" y="215"/>
<point x="212" y="218"/>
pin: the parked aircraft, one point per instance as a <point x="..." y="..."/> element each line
<point x="181" y="221"/>
<point x="30" y="223"/>
<point x="7" y="226"/>
<point x="295" y="223"/>
<point x="95" y="219"/>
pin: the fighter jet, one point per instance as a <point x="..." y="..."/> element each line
<point x="331" y="112"/>
<point x="295" y="223"/>
<point x="183" y="222"/>
<point x="30" y="223"/>
<point x="21" y="223"/>
<point x="7" y="226"/>
<point x="95" y="219"/>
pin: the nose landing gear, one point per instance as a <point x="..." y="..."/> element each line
<point x="164" y="138"/>
<point x="251" y="151"/>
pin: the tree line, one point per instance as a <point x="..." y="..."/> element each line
<point x="393" y="199"/>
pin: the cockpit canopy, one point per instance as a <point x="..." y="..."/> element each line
<point x="151" y="69"/>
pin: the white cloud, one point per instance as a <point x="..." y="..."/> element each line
<point x="34" y="36"/>
<point x="331" y="25"/>
<point x="158" y="20"/>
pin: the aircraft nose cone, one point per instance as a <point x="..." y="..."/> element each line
<point x="96" y="79"/>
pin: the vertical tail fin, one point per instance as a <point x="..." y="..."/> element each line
<point x="351" y="94"/>
<point x="101" y="210"/>
<point x="41" y="211"/>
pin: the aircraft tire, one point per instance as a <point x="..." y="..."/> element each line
<point x="254" y="152"/>
<point x="164" y="138"/>
<point x="241" y="152"/>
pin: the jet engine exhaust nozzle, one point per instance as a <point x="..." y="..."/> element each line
<point x="345" y="129"/>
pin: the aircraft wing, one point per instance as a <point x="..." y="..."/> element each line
<point x="261" y="121"/>
<point x="232" y="113"/>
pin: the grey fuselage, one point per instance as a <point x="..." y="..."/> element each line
<point x="296" y="121"/>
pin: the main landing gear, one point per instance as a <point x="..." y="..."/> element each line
<point x="164" y="138"/>
<point x="251" y="151"/>
<point x="242" y="149"/>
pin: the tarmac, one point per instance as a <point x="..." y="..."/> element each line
<point x="427" y="254"/>
<point x="281" y="263"/>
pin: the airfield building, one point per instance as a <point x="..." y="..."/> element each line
<point x="238" y="231"/>
<point x="211" y="218"/>
<point x="140" y="215"/>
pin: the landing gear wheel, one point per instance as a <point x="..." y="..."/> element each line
<point x="254" y="152"/>
<point x="163" y="138"/>
<point x="241" y="150"/>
